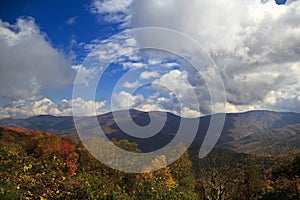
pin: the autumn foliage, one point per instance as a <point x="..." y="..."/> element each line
<point x="37" y="165"/>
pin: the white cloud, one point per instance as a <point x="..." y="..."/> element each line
<point x="22" y="108"/>
<point x="231" y="108"/>
<point x="254" y="44"/>
<point x="113" y="10"/>
<point x="156" y="103"/>
<point x="115" y="49"/>
<point x="182" y="95"/>
<point x="163" y="100"/>
<point x="86" y="75"/>
<point x="133" y="65"/>
<point x="218" y="25"/>
<point x="124" y="100"/>
<point x="44" y="106"/>
<point x="149" y="74"/>
<point x="171" y="64"/>
<point x="153" y="61"/>
<point x="189" y="113"/>
<point x="84" y="107"/>
<point x="131" y="85"/>
<point x="166" y="105"/>
<point x="174" y="81"/>
<point x="71" y="20"/>
<point x="28" y="62"/>
<point x="106" y="6"/>
<point x="151" y="107"/>
<point x="286" y="97"/>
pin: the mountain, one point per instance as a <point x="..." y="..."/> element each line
<point x="12" y="134"/>
<point x="253" y="132"/>
<point x="261" y="132"/>
<point x="46" y="123"/>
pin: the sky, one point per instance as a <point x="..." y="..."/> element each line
<point x="198" y="58"/>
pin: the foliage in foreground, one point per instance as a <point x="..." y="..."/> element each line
<point x="35" y="165"/>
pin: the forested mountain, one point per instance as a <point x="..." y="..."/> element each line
<point x="38" y="165"/>
<point x="254" y="132"/>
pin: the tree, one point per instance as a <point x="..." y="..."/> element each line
<point x="183" y="173"/>
<point x="253" y="184"/>
<point x="291" y="171"/>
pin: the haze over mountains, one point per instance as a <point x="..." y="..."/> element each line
<point x="253" y="132"/>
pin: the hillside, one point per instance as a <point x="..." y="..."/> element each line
<point x="254" y="132"/>
<point x="47" y="123"/>
<point x="261" y="132"/>
<point x="38" y="165"/>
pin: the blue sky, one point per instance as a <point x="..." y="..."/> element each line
<point x="60" y="21"/>
<point x="46" y="44"/>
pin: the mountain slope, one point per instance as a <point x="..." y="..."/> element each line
<point x="270" y="142"/>
<point x="254" y="132"/>
<point x="47" y="123"/>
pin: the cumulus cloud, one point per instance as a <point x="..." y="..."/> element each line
<point x="22" y="108"/>
<point x="151" y="107"/>
<point x="85" y="75"/>
<point x="145" y="65"/>
<point x="170" y="64"/>
<point x="125" y="100"/>
<point x="84" y="107"/>
<point x="255" y="45"/>
<point x="154" y="61"/>
<point x="133" y="65"/>
<point x="131" y="85"/>
<point x="28" y="62"/>
<point x="189" y="113"/>
<point x="174" y="81"/>
<point x="167" y="105"/>
<point x="220" y="26"/>
<point x="183" y="98"/>
<point x="149" y="74"/>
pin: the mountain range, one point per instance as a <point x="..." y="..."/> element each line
<point x="253" y="132"/>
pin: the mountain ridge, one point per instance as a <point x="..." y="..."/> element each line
<point x="242" y="132"/>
